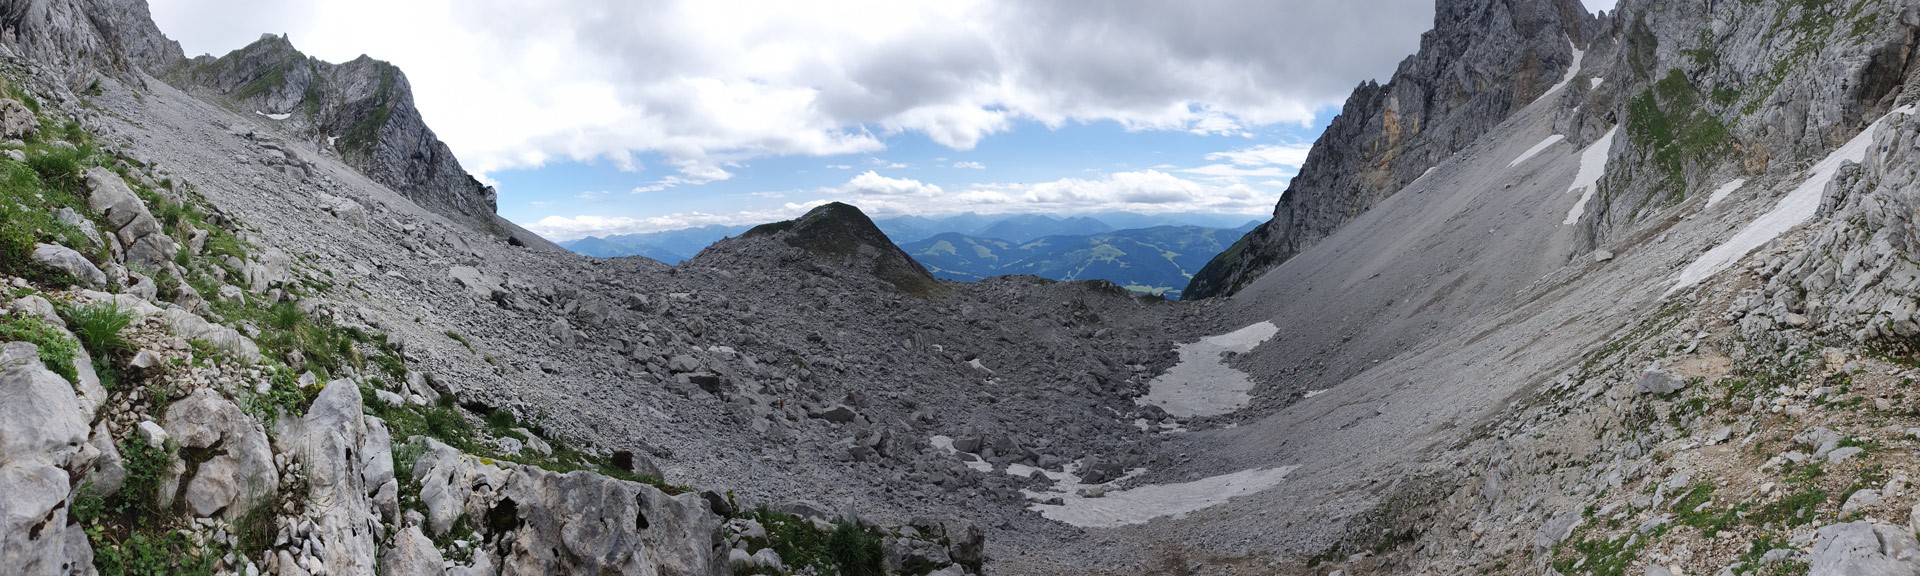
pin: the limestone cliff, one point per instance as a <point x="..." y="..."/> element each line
<point x="1483" y="60"/>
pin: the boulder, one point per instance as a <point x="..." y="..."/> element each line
<point x="574" y="523"/>
<point x="838" y="413"/>
<point x="348" y="459"/>
<point x="1655" y="380"/>
<point x="16" y="120"/>
<point x="42" y="430"/>
<point x="225" y="461"/>
<point x="71" y="262"/>
<point x="187" y="325"/>
<point x="1864" y="548"/>
<point x="133" y="226"/>
<point x="412" y="554"/>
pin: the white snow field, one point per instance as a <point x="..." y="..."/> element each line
<point x="1202" y="384"/>
<point x="1537" y="149"/>
<point x="1593" y="166"/>
<point x="1725" y="190"/>
<point x="1140" y="504"/>
<point x="1797" y="207"/>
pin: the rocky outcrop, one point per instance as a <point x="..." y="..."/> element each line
<point x="1484" y="60"/>
<point x="226" y="465"/>
<point x="43" y="435"/>
<point x="78" y="37"/>
<point x="361" y="109"/>
<point x="842" y="235"/>
<point x="548" y="523"/>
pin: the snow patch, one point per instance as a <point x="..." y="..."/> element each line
<point x="1725" y="190"/>
<point x="1312" y="393"/>
<point x="1572" y="70"/>
<point x="1202" y="384"/>
<point x="1595" y="83"/>
<point x="282" y="116"/>
<point x="1797" y="207"/>
<point x="1593" y="165"/>
<point x="1537" y="149"/>
<point x="1093" y="509"/>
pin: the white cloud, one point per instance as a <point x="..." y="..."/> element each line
<point x="1145" y="191"/>
<point x="1291" y="155"/>
<point x="871" y="183"/>
<point x="1232" y="171"/>
<point x="591" y="195"/>
<point x="563" y="228"/>
<point x="969" y="164"/>
<point x="839" y="167"/>
<point x="513" y="84"/>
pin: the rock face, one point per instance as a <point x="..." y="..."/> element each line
<point x="113" y="36"/>
<point x="362" y="109"/>
<point x="42" y="435"/>
<point x="1483" y="60"/>
<point x="227" y="451"/>
<point x="1864" y="548"/>
<point x="577" y="522"/>
<point x="348" y="460"/>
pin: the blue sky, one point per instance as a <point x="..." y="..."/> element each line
<point x="598" y="117"/>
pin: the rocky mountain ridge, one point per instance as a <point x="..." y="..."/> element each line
<point x="1482" y="61"/>
<point x="1658" y="319"/>
<point x="362" y="110"/>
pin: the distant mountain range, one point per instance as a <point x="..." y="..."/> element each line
<point x="672" y="246"/>
<point x="1156" y="260"/>
<point x="1147" y="253"/>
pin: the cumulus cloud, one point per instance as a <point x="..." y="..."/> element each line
<point x="1145" y="191"/>
<point x="1292" y="155"/>
<point x="970" y="165"/>
<point x="513" y="84"/>
<point x="563" y="228"/>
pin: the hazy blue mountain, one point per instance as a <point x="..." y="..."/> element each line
<point x="1156" y="260"/>
<point x="1029" y="227"/>
<point x="672" y="246"/>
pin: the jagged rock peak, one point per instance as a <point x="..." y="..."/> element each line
<point x="1483" y="60"/>
<point x="362" y="109"/>
<point x="841" y="232"/>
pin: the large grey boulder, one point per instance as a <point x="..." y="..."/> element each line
<point x="16" y="120"/>
<point x="190" y="326"/>
<point x="412" y="554"/>
<point x="73" y="263"/>
<point x="42" y="430"/>
<point x="133" y="225"/>
<point x="574" y="523"/>
<point x="348" y="460"/>
<point x="232" y="463"/>
<point x="1864" y="548"/>
<point x="1657" y="381"/>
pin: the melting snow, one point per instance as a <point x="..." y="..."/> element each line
<point x="1537" y="149"/>
<point x="283" y="116"/>
<point x="1799" y="206"/>
<point x="1202" y="384"/>
<point x="1572" y="70"/>
<point x="1140" y="504"/>
<point x="1724" y="191"/>
<point x="1593" y="165"/>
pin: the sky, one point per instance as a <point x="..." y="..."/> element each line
<point x="600" y="117"/>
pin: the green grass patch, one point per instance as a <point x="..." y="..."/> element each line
<point x="57" y="351"/>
